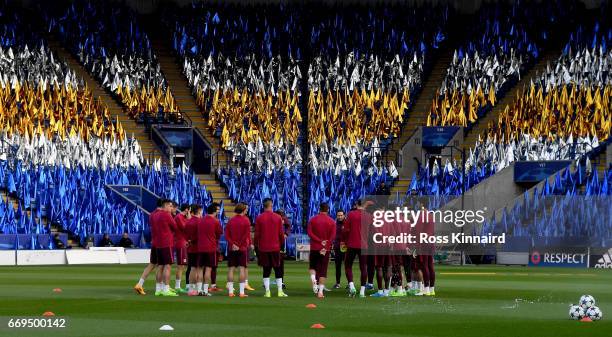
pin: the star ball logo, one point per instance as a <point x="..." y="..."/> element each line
<point x="536" y="257"/>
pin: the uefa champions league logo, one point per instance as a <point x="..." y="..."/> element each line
<point x="536" y="257"/>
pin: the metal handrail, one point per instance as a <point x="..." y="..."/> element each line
<point x="384" y="156"/>
<point x="574" y="144"/>
<point x="170" y="148"/>
<point x="151" y="156"/>
<point x="216" y="159"/>
<point x="187" y="118"/>
<point x="197" y="130"/>
<point x="112" y="188"/>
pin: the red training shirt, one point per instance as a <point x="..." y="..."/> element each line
<point x="162" y="228"/>
<point x="321" y="227"/>
<point x="238" y="232"/>
<point x="269" y="235"/>
<point x="179" y="236"/>
<point x="351" y="232"/>
<point x="209" y="232"/>
<point x="191" y="234"/>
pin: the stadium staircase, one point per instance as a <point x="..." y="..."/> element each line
<point x="9" y="200"/>
<point x="149" y="149"/>
<point x="418" y="111"/>
<point x="218" y="192"/>
<point x="171" y="67"/>
<point x="601" y="162"/>
<point x="417" y="115"/>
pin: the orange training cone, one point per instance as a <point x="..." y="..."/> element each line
<point x="48" y="313"/>
<point x="317" y="326"/>
<point x="311" y="306"/>
<point x="586" y="319"/>
<point x="57" y="290"/>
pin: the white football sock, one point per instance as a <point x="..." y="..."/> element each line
<point x="177" y="284"/>
<point x="166" y="287"/>
<point x="427" y="290"/>
<point x="386" y="292"/>
<point x="313" y="278"/>
<point x="157" y="287"/>
<point x="352" y="285"/>
<point x="199" y="286"/>
<point x="279" y="284"/>
<point x="321" y="288"/>
<point x="432" y="289"/>
<point x="230" y="287"/>
<point x="141" y="282"/>
<point x="205" y="289"/>
<point x="266" y="282"/>
<point x="421" y="286"/>
<point x="242" y="286"/>
<point x="362" y="290"/>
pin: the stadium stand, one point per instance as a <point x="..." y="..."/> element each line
<point x="505" y="42"/>
<point x="358" y="103"/>
<point x="546" y="121"/>
<point x="247" y="88"/>
<point x="244" y="76"/>
<point x="109" y="42"/>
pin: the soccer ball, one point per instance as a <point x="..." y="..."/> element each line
<point x="576" y="312"/>
<point x="586" y="301"/>
<point x="594" y="313"/>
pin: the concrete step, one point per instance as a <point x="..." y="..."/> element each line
<point x="171" y="66"/>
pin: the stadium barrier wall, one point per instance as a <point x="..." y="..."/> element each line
<point x="40" y="257"/>
<point x="520" y="197"/>
<point x="490" y="196"/>
<point x="137" y="256"/>
<point x="95" y="255"/>
<point x="7" y="258"/>
<point x="512" y="258"/>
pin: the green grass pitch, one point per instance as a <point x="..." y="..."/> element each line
<point x="470" y="301"/>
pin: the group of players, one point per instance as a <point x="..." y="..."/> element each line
<point x="190" y="239"/>
<point x="399" y="270"/>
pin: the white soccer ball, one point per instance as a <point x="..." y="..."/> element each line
<point x="576" y="312"/>
<point x="594" y="313"/>
<point x="586" y="301"/>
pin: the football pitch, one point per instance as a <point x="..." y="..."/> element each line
<point x="470" y="301"/>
